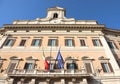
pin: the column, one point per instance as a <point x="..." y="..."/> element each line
<point x="32" y="81"/>
<point x="47" y="81"/>
<point x="10" y="81"/>
<point x="22" y="81"/>
<point x="62" y="81"/>
<point x="73" y="80"/>
<point x="84" y="81"/>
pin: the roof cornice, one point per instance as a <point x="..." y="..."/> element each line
<point x="53" y="26"/>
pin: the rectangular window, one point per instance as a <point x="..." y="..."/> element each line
<point x="111" y="45"/>
<point x="82" y="42"/>
<point x="96" y="42"/>
<point x="22" y="43"/>
<point x="36" y="42"/>
<point x="51" y="66"/>
<point x="71" y="66"/>
<point x="107" y="67"/>
<point x="119" y="43"/>
<point x="9" y="42"/>
<point x="1" y="65"/>
<point x="29" y="66"/>
<point x="52" y="42"/>
<point x="11" y="67"/>
<point x="69" y="42"/>
<point x="88" y="67"/>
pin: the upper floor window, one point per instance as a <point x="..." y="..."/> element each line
<point x="88" y="64"/>
<point x="22" y="43"/>
<point x="29" y="66"/>
<point x="1" y="63"/>
<point x="30" y="63"/>
<point x="52" y="42"/>
<point x="9" y="42"/>
<point x="13" y="64"/>
<point x="55" y="15"/>
<point x="96" y="42"/>
<point x="71" y="62"/>
<point x="36" y="42"/>
<point x="88" y="67"/>
<point x="72" y="65"/>
<point x="83" y="42"/>
<point x="51" y="62"/>
<point x="111" y="45"/>
<point x="106" y="67"/>
<point x="69" y="42"/>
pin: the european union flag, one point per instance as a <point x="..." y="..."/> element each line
<point x="60" y="60"/>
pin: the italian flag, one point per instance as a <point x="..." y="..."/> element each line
<point x="45" y="61"/>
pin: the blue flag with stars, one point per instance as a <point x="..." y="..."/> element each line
<point x="60" y="60"/>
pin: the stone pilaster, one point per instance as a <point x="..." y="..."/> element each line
<point x="47" y="81"/>
<point x="73" y="80"/>
<point x="32" y="81"/>
<point x="62" y="81"/>
<point x="22" y="81"/>
<point x="84" y="81"/>
<point x="10" y="81"/>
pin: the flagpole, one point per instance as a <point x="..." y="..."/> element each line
<point x="50" y="56"/>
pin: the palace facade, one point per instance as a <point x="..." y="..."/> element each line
<point x="90" y="52"/>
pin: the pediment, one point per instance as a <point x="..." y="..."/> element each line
<point x="87" y="58"/>
<point x="31" y="58"/>
<point x="103" y="58"/>
<point x="69" y="58"/>
<point x="50" y="58"/>
<point x="15" y="58"/>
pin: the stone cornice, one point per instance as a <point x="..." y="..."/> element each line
<point x="54" y="26"/>
<point x="112" y="30"/>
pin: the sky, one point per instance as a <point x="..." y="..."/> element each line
<point x="104" y="11"/>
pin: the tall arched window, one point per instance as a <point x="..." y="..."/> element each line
<point x="55" y="15"/>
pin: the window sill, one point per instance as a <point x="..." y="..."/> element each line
<point x="108" y="74"/>
<point x="83" y="46"/>
<point x="35" y="47"/>
<point x="7" y="46"/>
<point x="98" y="46"/>
<point x="21" y="47"/>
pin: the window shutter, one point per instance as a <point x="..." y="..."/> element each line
<point x="56" y="42"/>
<point x="88" y="68"/>
<point x="1" y="65"/>
<point x="25" y="67"/>
<point x="13" y="42"/>
<point x="73" y="43"/>
<point x="66" y="42"/>
<point x="33" y="42"/>
<point x="40" y="43"/>
<point x="100" y="42"/>
<point x="22" y="43"/>
<point x="115" y="45"/>
<point x="111" y="69"/>
<point x="82" y="42"/>
<point x="93" y="42"/>
<point x="49" y="42"/>
<point x="12" y="67"/>
<point x="102" y="64"/>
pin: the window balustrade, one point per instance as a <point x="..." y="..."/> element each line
<point x="57" y="72"/>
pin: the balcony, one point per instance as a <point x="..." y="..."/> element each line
<point x="45" y="73"/>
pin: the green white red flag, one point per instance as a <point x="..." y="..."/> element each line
<point x="45" y="61"/>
